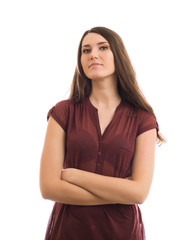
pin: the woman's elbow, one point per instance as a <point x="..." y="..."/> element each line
<point x="141" y="196"/>
<point x="44" y="195"/>
<point x="141" y="200"/>
<point x="47" y="188"/>
<point x="51" y="189"/>
<point x="44" y="190"/>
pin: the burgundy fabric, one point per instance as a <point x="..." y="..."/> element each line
<point x="109" y="154"/>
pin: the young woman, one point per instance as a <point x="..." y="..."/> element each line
<point x="98" y="157"/>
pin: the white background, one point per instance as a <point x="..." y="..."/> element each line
<point x="38" y="48"/>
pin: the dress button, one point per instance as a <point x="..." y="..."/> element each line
<point x="99" y="153"/>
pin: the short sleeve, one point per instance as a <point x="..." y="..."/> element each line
<point x="147" y="121"/>
<point x="60" y="112"/>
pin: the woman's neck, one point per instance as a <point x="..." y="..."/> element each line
<point x="105" y="93"/>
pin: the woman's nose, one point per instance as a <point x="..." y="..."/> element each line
<point x="93" y="57"/>
<point x="94" y="54"/>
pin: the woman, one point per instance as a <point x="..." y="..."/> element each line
<point x="98" y="157"/>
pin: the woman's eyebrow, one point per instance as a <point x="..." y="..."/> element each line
<point x="88" y="45"/>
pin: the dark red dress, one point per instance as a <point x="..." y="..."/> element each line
<point x="110" y="154"/>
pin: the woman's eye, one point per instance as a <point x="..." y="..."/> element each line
<point x="103" y="48"/>
<point x="86" y="51"/>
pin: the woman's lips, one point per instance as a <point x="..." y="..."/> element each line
<point x="95" y="64"/>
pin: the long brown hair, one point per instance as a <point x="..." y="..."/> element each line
<point x="127" y="84"/>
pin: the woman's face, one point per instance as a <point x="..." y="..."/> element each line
<point x="96" y="57"/>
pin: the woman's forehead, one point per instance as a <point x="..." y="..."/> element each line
<point x="93" y="38"/>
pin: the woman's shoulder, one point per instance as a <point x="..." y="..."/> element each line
<point x="69" y="105"/>
<point x="137" y="111"/>
<point x="147" y="121"/>
<point x="143" y="119"/>
<point x="61" y="112"/>
<point x="64" y="103"/>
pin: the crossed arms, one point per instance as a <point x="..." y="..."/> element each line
<point x="78" y="187"/>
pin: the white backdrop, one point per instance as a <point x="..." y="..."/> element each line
<point x="38" y="48"/>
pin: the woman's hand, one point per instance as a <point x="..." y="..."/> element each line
<point x="70" y="174"/>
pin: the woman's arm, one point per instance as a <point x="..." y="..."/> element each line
<point x="51" y="185"/>
<point x="120" y="190"/>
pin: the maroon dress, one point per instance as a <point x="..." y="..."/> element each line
<point x="109" y="154"/>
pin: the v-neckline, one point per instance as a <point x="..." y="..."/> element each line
<point x="95" y="110"/>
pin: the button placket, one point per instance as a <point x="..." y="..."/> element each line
<point x="99" y="159"/>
